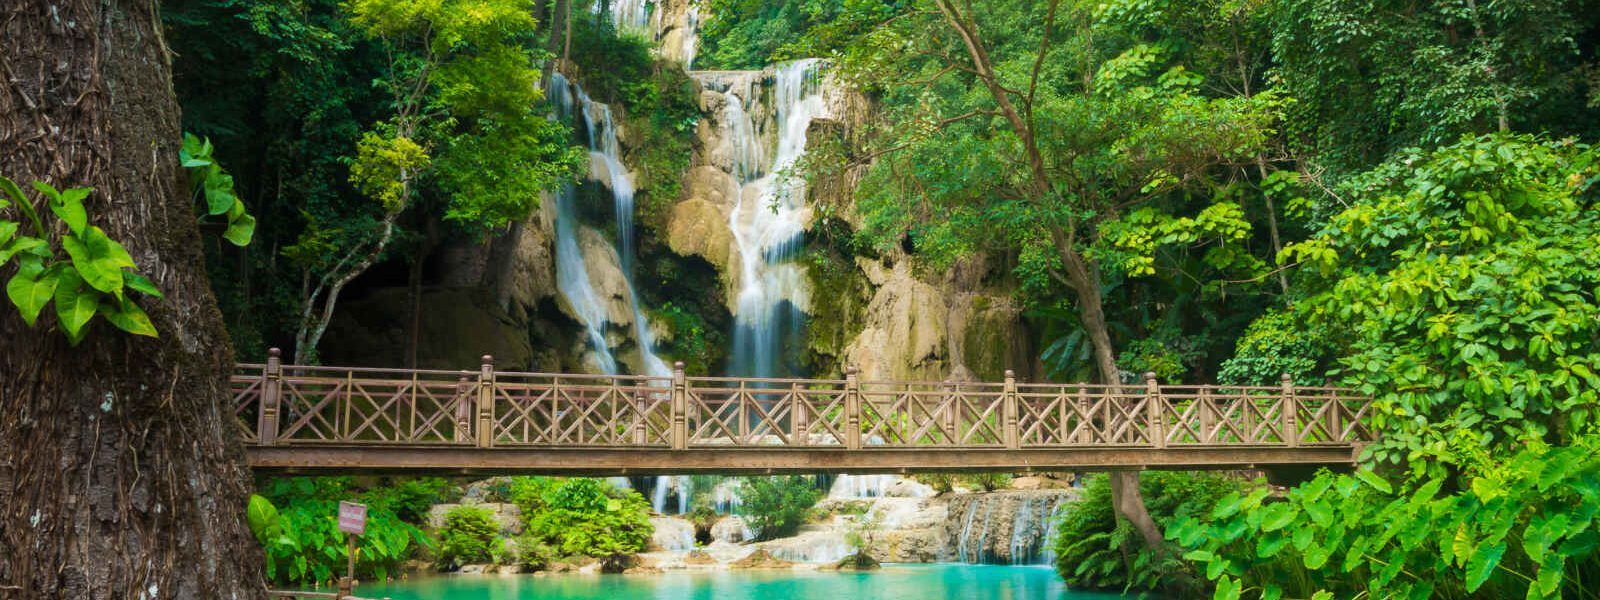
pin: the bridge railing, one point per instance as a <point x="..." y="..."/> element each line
<point x="279" y="404"/>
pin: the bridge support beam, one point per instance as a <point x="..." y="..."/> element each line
<point x="603" y="461"/>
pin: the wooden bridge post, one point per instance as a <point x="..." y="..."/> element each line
<point x="271" y="398"/>
<point x="1155" y="410"/>
<point x="1008" y="400"/>
<point x="680" y="408"/>
<point x="486" y="403"/>
<point x="799" y="417"/>
<point x="1288" y="413"/>
<point x="852" y="408"/>
<point x="638" y="418"/>
<point x="464" y="407"/>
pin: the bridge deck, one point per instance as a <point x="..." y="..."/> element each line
<point x="307" y="419"/>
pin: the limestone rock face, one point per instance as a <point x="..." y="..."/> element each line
<point x="605" y="274"/>
<point x="700" y="228"/>
<point x="949" y="329"/>
<point x="524" y="268"/>
<point x="732" y="529"/>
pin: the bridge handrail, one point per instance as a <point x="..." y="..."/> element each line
<point x="295" y="405"/>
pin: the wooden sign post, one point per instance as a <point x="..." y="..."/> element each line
<point x="353" y="522"/>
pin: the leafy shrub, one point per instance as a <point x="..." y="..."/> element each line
<point x="777" y="506"/>
<point x="987" y="482"/>
<point x="1523" y="528"/>
<point x="940" y="482"/>
<point x="303" y="544"/>
<point x="1096" y="550"/>
<point x="586" y="517"/>
<point x="469" y="535"/>
<point x="1271" y="346"/>
<point x="532" y="552"/>
<point x="409" y="498"/>
<point x="1460" y="287"/>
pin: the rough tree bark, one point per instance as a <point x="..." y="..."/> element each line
<point x="120" y="474"/>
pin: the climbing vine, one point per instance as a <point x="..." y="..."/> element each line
<point x="92" y="279"/>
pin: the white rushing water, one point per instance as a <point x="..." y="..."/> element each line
<point x="572" y="271"/>
<point x="769" y="218"/>
<point x="648" y="18"/>
<point x="1006" y="527"/>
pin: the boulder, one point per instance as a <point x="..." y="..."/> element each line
<point x="731" y="529"/>
<point x="699" y="228"/>
<point x="859" y="561"/>
<point x="761" y="559"/>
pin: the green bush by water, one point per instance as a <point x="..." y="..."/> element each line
<point x="1096" y="550"/>
<point x="469" y="535"/>
<point x="777" y="506"/>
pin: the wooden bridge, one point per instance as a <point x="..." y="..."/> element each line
<point x="317" y="418"/>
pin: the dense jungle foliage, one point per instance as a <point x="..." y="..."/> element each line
<point x="1396" y="196"/>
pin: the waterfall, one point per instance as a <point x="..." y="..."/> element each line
<point x="862" y="486"/>
<point x="768" y="220"/>
<point x="691" y="37"/>
<point x="632" y="15"/>
<point x="572" y="272"/>
<point x="1010" y="527"/>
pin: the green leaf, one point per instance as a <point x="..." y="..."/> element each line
<point x="31" y="288"/>
<point x="219" y="194"/>
<point x="241" y="230"/>
<point x="10" y="188"/>
<point x="48" y="190"/>
<point x="69" y="208"/>
<point x="127" y="316"/>
<point x="99" y="259"/>
<point x="7" y="229"/>
<point x="75" y="306"/>
<point x="1482" y="563"/>
<point x="1277" y="516"/>
<point x="1374" y="480"/>
<point x="31" y="245"/>
<point x="261" y="515"/>
<point x="140" y="283"/>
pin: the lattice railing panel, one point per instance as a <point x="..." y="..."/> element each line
<point x="276" y="404"/>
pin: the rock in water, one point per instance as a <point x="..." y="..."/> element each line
<point x="859" y="561"/>
<point x="761" y="559"/>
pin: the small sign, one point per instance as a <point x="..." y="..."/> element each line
<point x="352" y="518"/>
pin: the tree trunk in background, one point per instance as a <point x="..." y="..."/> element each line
<point x="120" y="472"/>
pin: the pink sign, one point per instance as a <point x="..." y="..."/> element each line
<point x="352" y="518"/>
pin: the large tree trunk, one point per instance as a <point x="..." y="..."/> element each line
<point x="120" y="473"/>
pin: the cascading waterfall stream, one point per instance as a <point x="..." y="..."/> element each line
<point x="572" y="272"/>
<point x="769" y="218"/>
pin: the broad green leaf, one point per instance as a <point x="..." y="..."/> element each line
<point x="1277" y="516"/>
<point x="31" y="245"/>
<point x="241" y="230"/>
<point x="99" y="259"/>
<point x="1374" y="480"/>
<point x="31" y="288"/>
<point x="75" y="305"/>
<point x="7" y="229"/>
<point x="261" y="515"/>
<point x="127" y="316"/>
<point x="48" y="190"/>
<point x="1482" y="564"/>
<point x="219" y="194"/>
<point x="69" y="208"/>
<point x="140" y="283"/>
<point x="1314" y="556"/>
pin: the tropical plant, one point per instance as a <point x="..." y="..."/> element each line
<point x="1094" y="550"/>
<point x="1522" y="527"/>
<point x="778" y="505"/>
<point x="1460" y="289"/>
<point x="215" y="186"/>
<point x="92" y="279"/>
<point x="588" y="517"/>
<point x="469" y="534"/>
<point x="303" y="544"/>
